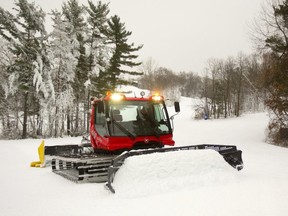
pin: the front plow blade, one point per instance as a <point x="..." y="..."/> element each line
<point x="229" y="152"/>
<point x="41" y="155"/>
<point x="46" y="153"/>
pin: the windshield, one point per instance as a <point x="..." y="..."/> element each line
<point x="138" y="118"/>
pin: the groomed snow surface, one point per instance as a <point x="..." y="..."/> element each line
<point x="177" y="183"/>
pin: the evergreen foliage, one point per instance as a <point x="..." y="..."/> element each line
<point x="275" y="76"/>
<point x="99" y="50"/>
<point x="63" y="46"/>
<point x="74" y="15"/>
<point x="122" y="54"/>
<point x="26" y="32"/>
<point x="47" y="80"/>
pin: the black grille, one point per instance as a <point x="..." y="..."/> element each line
<point x="146" y="145"/>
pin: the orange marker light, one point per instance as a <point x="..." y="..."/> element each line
<point x="117" y="97"/>
<point x="157" y="97"/>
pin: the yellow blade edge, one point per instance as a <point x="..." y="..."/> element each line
<point x="41" y="154"/>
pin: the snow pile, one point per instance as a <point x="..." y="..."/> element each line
<point x="163" y="172"/>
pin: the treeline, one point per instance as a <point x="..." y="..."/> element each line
<point x="228" y="88"/>
<point x="238" y="84"/>
<point x="48" y="78"/>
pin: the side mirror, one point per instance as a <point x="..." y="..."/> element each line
<point x="100" y="105"/>
<point x="177" y="106"/>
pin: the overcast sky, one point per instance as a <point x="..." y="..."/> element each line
<point x="181" y="35"/>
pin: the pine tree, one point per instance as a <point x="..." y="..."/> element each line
<point x="63" y="64"/>
<point x="122" y="55"/>
<point x="74" y="15"/>
<point x="26" y="31"/>
<point x="100" y="52"/>
<point x="276" y="76"/>
<point x="6" y="58"/>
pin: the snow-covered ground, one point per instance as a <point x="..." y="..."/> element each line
<point x="178" y="183"/>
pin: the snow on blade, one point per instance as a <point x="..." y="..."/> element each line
<point x="161" y="172"/>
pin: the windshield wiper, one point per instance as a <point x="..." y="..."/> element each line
<point x="124" y="130"/>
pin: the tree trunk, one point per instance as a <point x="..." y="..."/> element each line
<point x="62" y="124"/>
<point x="56" y="122"/>
<point x="77" y="117"/>
<point x="39" y="125"/>
<point x="88" y="112"/>
<point x="25" y="115"/>
<point x="68" y="123"/>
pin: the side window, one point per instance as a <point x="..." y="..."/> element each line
<point x="160" y="117"/>
<point x="100" y="122"/>
<point x="159" y="112"/>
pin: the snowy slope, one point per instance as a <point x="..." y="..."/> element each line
<point x="178" y="183"/>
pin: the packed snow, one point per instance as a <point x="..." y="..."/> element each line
<point x="161" y="173"/>
<point x="176" y="183"/>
